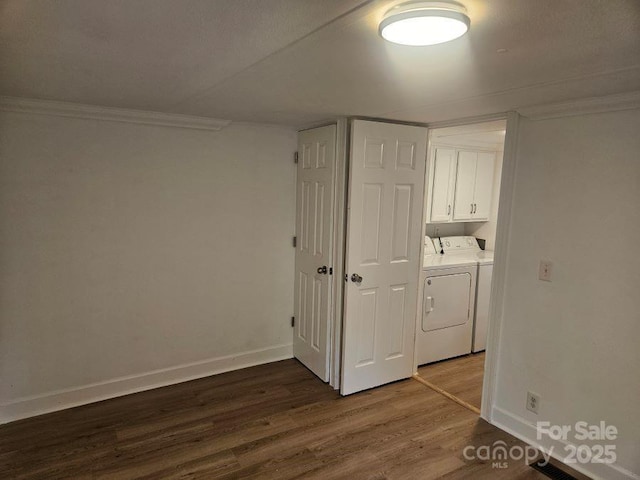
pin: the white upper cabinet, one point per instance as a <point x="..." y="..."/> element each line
<point x="443" y="184"/>
<point x="461" y="185"/>
<point x="465" y="185"/>
<point x="483" y="188"/>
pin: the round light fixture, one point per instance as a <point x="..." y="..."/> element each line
<point x="424" y="23"/>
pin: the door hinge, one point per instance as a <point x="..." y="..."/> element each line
<point x="295" y="157"/>
<point x="295" y="241"/>
<point x="293" y="322"/>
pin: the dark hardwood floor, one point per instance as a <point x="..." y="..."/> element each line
<point x="271" y="421"/>
<point x="461" y="377"/>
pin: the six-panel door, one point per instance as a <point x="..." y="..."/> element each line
<point x="384" y="236"/>
<point x="314" y="224"/>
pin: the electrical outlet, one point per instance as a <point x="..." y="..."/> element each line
<point x="533" y="402"/>
<point x="544" y="271"/>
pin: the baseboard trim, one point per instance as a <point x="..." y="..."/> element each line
<point x="62" y="399"/>
<point x="525" y="431"/>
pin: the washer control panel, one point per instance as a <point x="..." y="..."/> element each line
<point x="459" y="244"/>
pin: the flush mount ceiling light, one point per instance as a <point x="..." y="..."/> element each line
<point x="424" y="23"/>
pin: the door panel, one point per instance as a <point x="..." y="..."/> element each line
<point x="366" y="320"/>
<point x="314" y="224"/>
<point x="371" y="218"/>
<point x="397" y="305"/>
<point x="465" y="183"/>
<point x="383" y="247"/>
<point x="402" y="203"/>
<point x="442" y="184"/>
<point x="446" y="301"/>
<point x="484" y="185"/>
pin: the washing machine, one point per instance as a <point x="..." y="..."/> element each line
<point x="468" y="246"/>
<point x="447" y="299"/>
<point x="483" y="294"/>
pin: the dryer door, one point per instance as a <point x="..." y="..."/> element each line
<point x="447" y="301"/>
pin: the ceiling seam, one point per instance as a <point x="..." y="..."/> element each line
<point x="289" y="45"/>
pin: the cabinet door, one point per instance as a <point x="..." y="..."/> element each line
<point x="442" y="184"/>
<point x="465" y="183"/>
<point x="483" y="190"/>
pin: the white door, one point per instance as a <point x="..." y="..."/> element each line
<point x="314" y="223"/>
<point x="483" y="188"/>
<point x="384" y="237"/>
<point x="442" y="184"/>
<point x="465" y="184"/>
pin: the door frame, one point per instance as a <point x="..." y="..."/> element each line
<point x="503" y="224"/>
<point x="339" y="246"/>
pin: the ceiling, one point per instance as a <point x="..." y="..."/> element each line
<point x="299" y="62"/>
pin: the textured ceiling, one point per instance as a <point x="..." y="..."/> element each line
<point x="297" y="62"/>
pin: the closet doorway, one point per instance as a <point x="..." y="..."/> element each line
<point x="461" y="217"/>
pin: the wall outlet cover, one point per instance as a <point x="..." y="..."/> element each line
<point x="533" y="402"/>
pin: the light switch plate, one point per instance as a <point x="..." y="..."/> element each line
<point x="544" y="271"/>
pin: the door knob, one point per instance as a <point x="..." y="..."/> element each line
<point x="322" y="270"/>
<point x="356" y="278"/>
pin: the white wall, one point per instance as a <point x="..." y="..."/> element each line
<point x="136" y="255"/>
<point x="434" y="230"/>
<point x="574" y="341"/>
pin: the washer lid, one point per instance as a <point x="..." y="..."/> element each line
<point x="485" y="257"/>
<point x="449" y="261"/>
<point x="429" y="249"/>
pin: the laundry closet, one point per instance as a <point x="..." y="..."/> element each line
<point x="464" y="167"/>
<point x="367" y="192"/>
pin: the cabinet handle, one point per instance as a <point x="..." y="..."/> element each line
<point x="475" y="207"/>
<point x="448" y="209"/>
<point x="471" y="208"/>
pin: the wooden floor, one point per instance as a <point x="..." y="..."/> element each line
<point x="460" y="376"/>
<point x="271" y="421"/>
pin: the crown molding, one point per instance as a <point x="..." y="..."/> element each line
<point x="109" y="114"/>
<point x="583" y="106"/>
